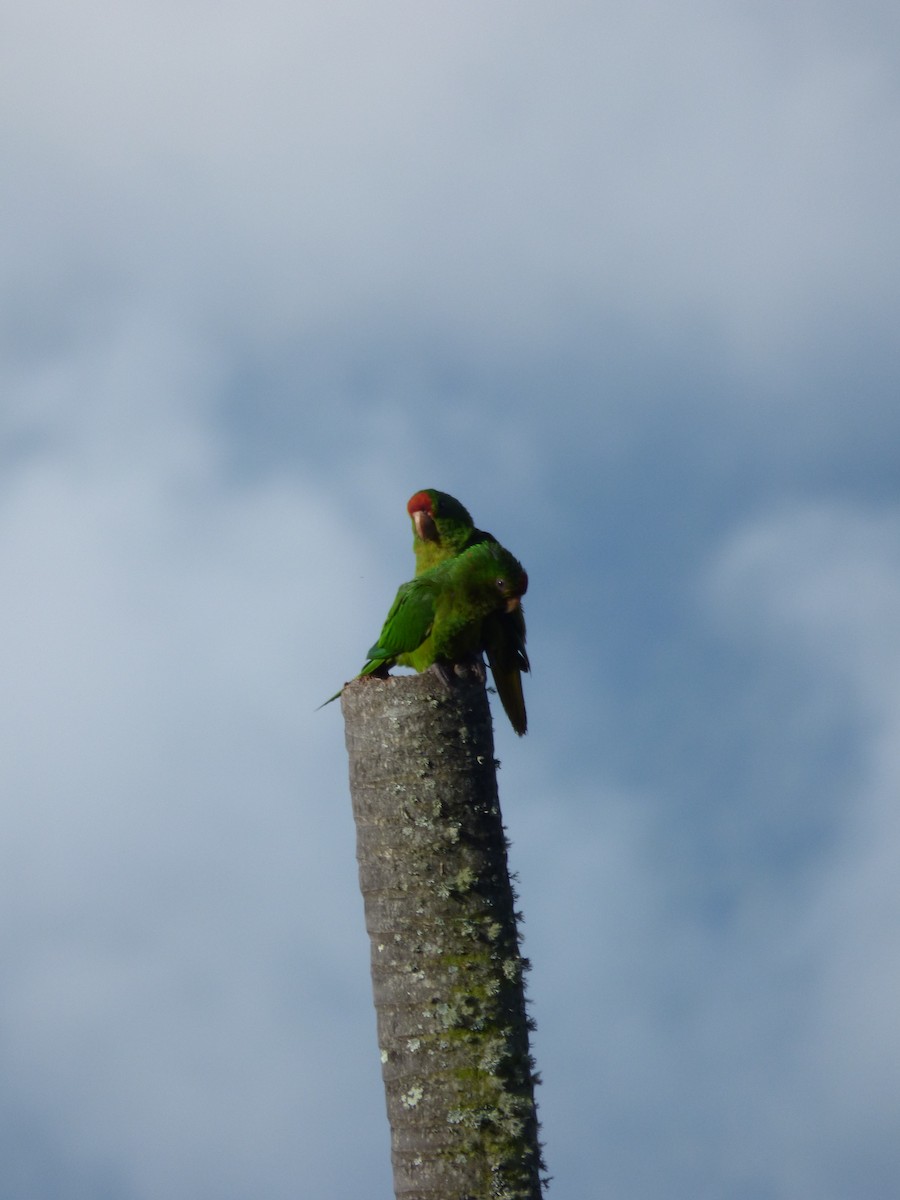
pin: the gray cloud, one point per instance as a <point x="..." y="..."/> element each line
<point x="622" y="280"/>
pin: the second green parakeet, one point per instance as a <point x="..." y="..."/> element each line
<point x="440" y="616"/>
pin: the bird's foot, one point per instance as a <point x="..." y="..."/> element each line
<point x="463" y="668"/>
<point x="472" y="666"/>
<point x="475" y="666"/>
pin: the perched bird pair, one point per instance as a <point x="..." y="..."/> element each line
<point x="464" y="600"/>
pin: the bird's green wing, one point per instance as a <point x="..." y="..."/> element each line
<point x="408" y="623"/>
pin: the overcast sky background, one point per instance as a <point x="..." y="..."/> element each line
<point x="622" y="277"/>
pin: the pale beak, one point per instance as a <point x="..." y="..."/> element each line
<point x="425" y="527"/>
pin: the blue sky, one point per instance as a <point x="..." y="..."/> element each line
<point x="624" y="279"/>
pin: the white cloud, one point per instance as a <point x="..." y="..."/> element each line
<point x="500" y="173"/>
<point x="731" y="1007"/>
<point x="821" y="585"/>
<point x="179" y="889"/>
<point x="824" y="582"/>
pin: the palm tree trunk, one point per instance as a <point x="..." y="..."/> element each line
<point x="447" y="974"/>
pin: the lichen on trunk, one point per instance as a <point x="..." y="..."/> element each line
<point x="447" y="973"/>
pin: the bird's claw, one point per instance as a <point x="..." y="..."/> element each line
<point x="464" y="668"/>
<point x="477" y="668"/>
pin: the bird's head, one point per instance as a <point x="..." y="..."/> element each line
<point x="430" y="507"/>
<point x="421" y="510"/>
<point x="512" y="584"/>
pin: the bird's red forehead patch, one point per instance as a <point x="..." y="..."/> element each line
<point x="420" y="502"/>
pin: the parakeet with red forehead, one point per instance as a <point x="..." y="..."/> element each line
<point x="439" y="616"/>
<point x="443" y="529"/>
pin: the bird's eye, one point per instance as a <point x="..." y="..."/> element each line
<point x="501" y="584"/>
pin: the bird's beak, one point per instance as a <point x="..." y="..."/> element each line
<point x="512" y="604"/>
<point x="425" y="527"/>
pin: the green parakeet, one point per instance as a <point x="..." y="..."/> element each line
<point x="443" y="529"/>
<point x="439" y="617"/>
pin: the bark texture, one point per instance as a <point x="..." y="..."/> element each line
<point x="447" y="974"/>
